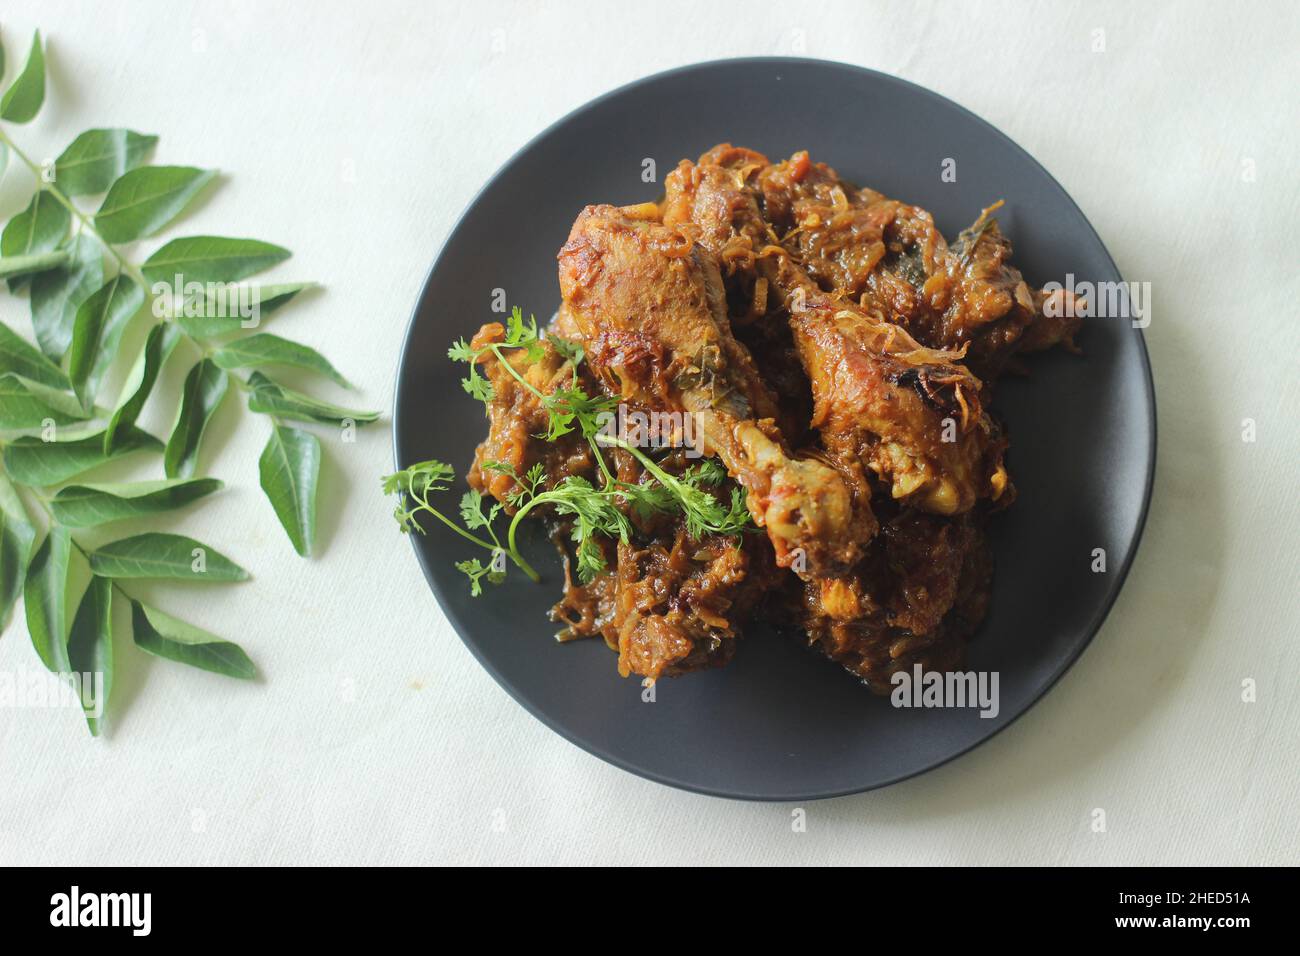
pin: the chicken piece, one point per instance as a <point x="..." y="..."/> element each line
<point x="777" y="359"/>
<point x="860" y="244"/>
<point x="916" y="598"/>
<point x="836" y="232"/>
<point x="911" y="415"/>
<point x="517" y="420"/>
<point x="672" y="604"/>
<point x="650" y="306"/>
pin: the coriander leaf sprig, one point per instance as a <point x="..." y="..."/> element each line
<point x="413" y="486"/>
<point x="594" y="511"/>
<point x="595" y="514"/>
<point x="476" y="571"/>
<point x="703" y="512"/>
<point x="566" y="408"/>
<point x="598" y="513"/>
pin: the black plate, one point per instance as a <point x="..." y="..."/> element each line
<point x="780" y="723"/>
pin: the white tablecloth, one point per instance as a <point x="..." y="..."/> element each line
<point x="357" y="133"/>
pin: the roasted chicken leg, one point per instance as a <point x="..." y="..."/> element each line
<point x="889" y="254"/>
<point x="651" y="309"/>
<point x="882" y="401"/>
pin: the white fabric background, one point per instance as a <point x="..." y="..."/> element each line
<point x="356" y="133"/>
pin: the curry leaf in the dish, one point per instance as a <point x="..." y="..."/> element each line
<point x="966" y="241"/>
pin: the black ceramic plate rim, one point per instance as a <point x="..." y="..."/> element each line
<point x="597" y="751"/>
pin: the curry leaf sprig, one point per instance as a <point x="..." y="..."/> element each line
<point x="597" y="514"/>
<point x="86" y="296"/>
